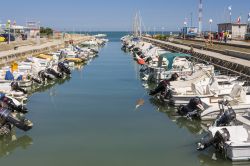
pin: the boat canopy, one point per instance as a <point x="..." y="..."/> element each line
<point x="9" y="76"/>
<point x="135" y="39"/>
<point x="170" y="57"/>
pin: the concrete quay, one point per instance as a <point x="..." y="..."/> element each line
<point x="8" y="56"/>
<point x="229" y="63"/>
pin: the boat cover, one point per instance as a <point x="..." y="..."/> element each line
<point x="19" y="78"/>
<point x="9" y="76"/>
<point x="170" y="57"/>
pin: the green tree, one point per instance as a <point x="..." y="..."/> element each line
<point x="46" y="31"/>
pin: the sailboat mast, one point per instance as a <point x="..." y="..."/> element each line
<point x="137" y="25"/>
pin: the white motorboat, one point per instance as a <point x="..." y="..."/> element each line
<point x="230" y="135"/>
<point x="164" y="65"/>
<point x="7" y="89"/>
<point x="100" y="35"/>
<point x="205" y="91"/>
<point x="237" y="99"/>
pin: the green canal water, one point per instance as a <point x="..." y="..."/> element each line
<point x="91" y="120"/>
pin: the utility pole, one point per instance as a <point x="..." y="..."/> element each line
<point x="14" y="27"/>
<point x="210" y="23"/>
<point x="230" y="13"/>
<point x="191" y="19"/>
<point x="39" y="30"/>
<point x="162" y="28"/>
<point x="8" y="26"/>
<point x="184" y="29"/>
<point x="200" y="16"/>
<point x="248" y="20"/>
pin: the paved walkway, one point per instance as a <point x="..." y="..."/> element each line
<point x="29" y="48"/>
<point x="229" y="42"/>
<point x="26" y="48"/>
<point x="207" y="53"/>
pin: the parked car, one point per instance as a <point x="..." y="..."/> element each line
<point x="6" y="36"/>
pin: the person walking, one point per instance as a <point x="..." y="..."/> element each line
<point x="217" y="36"/>
<point x="221" y="36"/>
<point x="225" y="37"/>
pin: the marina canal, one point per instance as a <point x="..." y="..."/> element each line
<point x="91" y="120"/>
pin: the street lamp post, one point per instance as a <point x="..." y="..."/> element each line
<point x="230" y="13"/>
<point x="210" y="23"/>
<point x="14" y="27"/>
<point x="38" y="35"/>
<point x="185" y="26"/>
<point x="8" y="25"/>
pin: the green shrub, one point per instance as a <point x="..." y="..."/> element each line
<point x="46" y="31"/>
<point x="161" y="37"/>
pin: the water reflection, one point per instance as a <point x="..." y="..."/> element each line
<point x="9" y="143"/>
<point x="212" y="157"/>
<point x="193" y="126"/>
<point x="43" y="88"/>
<point x="78" y="66"/>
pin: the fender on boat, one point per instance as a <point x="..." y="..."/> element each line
<point x="141" y="61"/>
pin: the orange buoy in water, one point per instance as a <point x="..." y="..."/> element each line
<point x="141" y="61"/>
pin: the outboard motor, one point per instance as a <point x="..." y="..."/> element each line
<point x="10" y="104"/>
<point x="41" y="75"/>
<point x="160" y="88"/>
<point x="20" y="122"/>
<point x="36" y="80"/>
<point x="45" y="75"/>
<point x="131" y="47"/>
<point x="135" y="49"/>
<point x="15" y="86"/>
<point x="124" y="47"/>
<point x="220" y="137"/>
<point x="226" y="118"/>
<point x="148" y="59"/>
<point x="191" y="109"/>
<point x="163" y="85"/>
<point x="54" y="73"/>
<point x="63" y="68"/>
<point x="140" y="54"/>
<point x="94" y="51"/>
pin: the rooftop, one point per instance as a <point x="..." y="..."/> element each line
<point x="241" y="24"/>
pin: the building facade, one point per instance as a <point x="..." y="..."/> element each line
<point x="32" y="29"/>
<point x="237" y="31"/>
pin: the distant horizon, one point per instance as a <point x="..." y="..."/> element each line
<point x="121" y="31"/>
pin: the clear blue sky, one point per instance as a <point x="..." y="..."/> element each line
<point x="118" y="14"/>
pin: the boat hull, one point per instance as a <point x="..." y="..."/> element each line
<point x="238" y="152"/>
